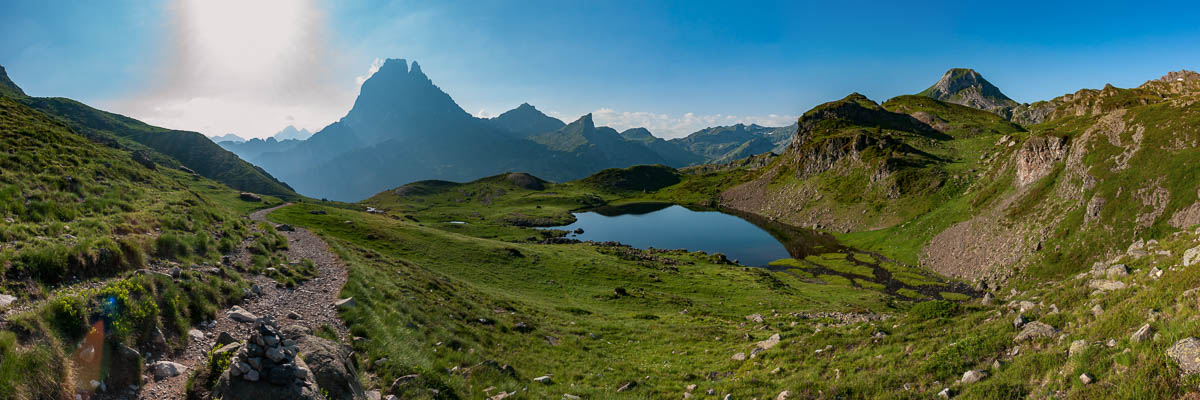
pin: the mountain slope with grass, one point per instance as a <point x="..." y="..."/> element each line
<point x="105" y="252"/>
<point x="177" y="148"/>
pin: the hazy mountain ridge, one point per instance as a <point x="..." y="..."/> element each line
<point x="228" y="137"/>
<point x="404" y="128"/>
<point x="525" y="121"/>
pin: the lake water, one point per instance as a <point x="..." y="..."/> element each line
<point x="664" y="226"/>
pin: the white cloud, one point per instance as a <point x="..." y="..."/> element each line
<point x="669" y="126"/>
<point x="250" y="68"/>
<point x="370" y="72"/>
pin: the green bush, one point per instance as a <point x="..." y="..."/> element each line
<point x="933" y="310"/>
<point x="48" y="263"/>
<point x="135" y="255"/>
<point x="66" y="315"/>
<point x="201" y="243"/>
<point x="170" y="245"/>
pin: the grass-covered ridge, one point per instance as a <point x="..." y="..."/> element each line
<point x="171" y="147"/>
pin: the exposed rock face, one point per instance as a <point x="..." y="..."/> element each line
<point x="1180" y="76"/>
<point x="1186" y="217"/>
<point x="1031" y="114"/>
<point x="1037" y="157"/>
<point x="966" y="87"/>
<point x="1191" y="256"/>
<point x="1094" y="207"/>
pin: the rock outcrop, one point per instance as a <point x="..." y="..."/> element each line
<point x="1037" y="157"/>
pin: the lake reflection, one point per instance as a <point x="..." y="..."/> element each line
<point x="667" y="226"/>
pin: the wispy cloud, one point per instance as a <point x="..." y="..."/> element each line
<point x="670" y="126"/>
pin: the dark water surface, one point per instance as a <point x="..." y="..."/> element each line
<point x="666" y="226"/>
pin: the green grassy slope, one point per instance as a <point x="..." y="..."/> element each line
<point x="433" y="298"/>
<point x="79" y="219"/>
<point x="190" y="149"/>
<point x="174" y="148"/>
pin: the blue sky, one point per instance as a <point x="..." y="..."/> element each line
<point x="221" y="66"/>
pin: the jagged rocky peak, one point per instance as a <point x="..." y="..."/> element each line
<point x="394" y="64"/>
<point x="415" y="71"/>
<point x="586" y="121"/>
<point x="966" y="87"/>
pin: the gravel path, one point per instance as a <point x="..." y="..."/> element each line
<point x="312" y="300"/>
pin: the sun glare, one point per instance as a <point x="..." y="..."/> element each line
<point x="244" y="40"/>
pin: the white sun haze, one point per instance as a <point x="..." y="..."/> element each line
<point x="669" y="126"/>
<point x="244" y="67"/>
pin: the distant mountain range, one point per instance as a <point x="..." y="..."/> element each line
<point x="403" y="128"/>
<point x="291" y="133"/>
<point x="228" y="137"/>
<point x="288" y="133"/>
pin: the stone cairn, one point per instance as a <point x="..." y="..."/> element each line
<point x="269" y="357"/>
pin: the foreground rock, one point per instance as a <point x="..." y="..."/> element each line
<point x="331" y="363"/>
<point x="1035" y="330"/>
<point x="267" y="367"/>
<point x="167" y="369"/>
<point x="240" y="314"/>
<point x="1186" y="353"/>
<point x="972" y="376"/>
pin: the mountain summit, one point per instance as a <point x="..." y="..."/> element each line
<point x="966" y="87"/>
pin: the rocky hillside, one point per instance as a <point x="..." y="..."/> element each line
<point x="856" y="165"/>
<point x="974" y="196"/>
